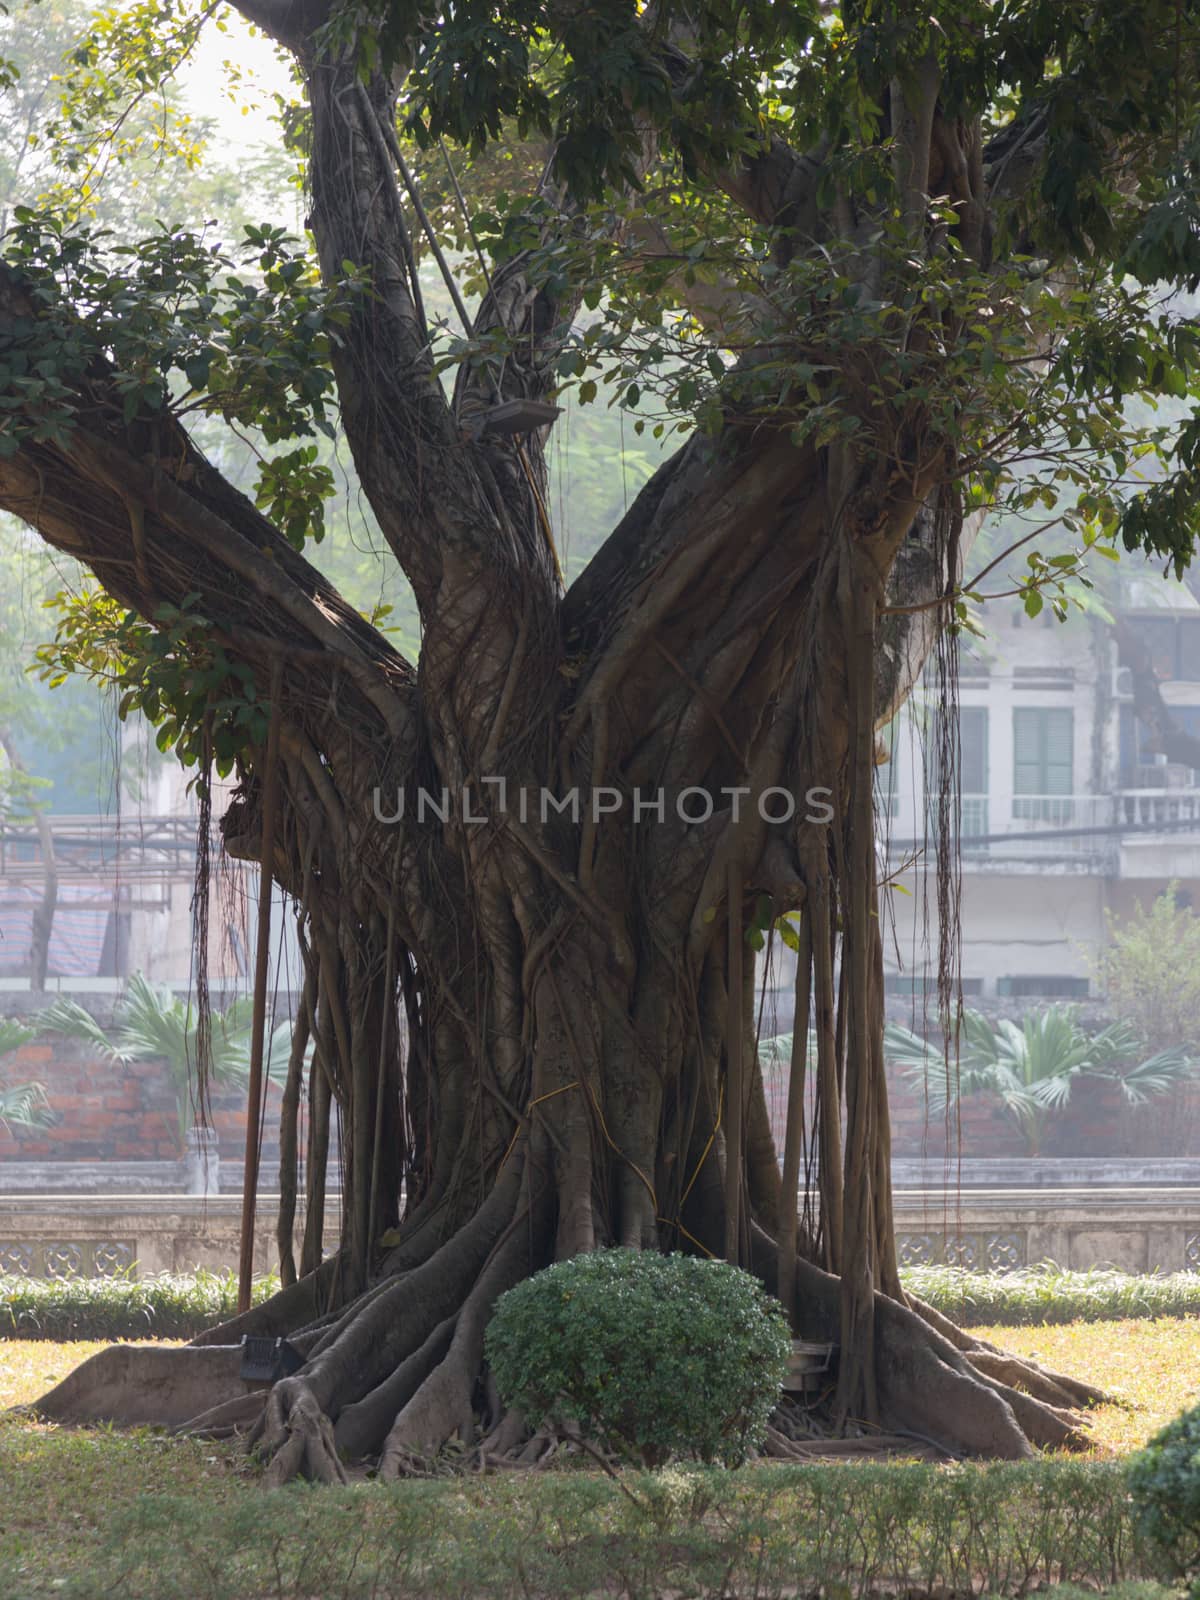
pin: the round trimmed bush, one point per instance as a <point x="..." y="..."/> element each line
<point x="657" y="1356"/>
<point x="1164" y="1484"/>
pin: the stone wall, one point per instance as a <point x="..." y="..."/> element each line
<point x="997" y="1230"/>
<point x="1002" y="1230"/>
<point x="101" y="1237"/>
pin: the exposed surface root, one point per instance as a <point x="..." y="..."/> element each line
<point x="930" y="1388"/>
<point x="509" y="1433"/>
<point x="442" y="1406"/>
<point x="1026" y="1375"/>
<point x="397" y="1376"/>
<point x="780" y="1448"/>
<point x="231" y="1417"/>
<point x="303" y="1437"/>
<point x="362" y="1427"/>
<point x="149" y="1385"/>
<point x="1018" y="1372"/>
<point x="440" y="1409"/>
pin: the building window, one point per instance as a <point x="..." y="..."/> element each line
<point x="972" y="770"/>
<point x="1043" y="763"/>
<point x="921" y="988"/>
<point x="1043" y="987"/>
<point x="1141" y="766"/>
<point x="1173" y="645"/>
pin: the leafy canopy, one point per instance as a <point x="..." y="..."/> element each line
<point x="1005" y="347"/>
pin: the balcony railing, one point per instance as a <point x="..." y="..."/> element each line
<point x="1086" y="829"/>
<point x="162" y="848"/>
<point x="1037" y="825"/>
<point x="1169" y="809"/>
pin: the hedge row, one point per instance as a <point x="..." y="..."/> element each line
<point x="1047" y="1294"/>
<point x="120" y="1308"/>
<point x="180" y="1308"/>
<point x="762" y="1534"/>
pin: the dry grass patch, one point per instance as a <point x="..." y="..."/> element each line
<point x="28" y="1367"/>
<point x="1153" y="1365"/>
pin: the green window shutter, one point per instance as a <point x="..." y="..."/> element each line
<point x="1043" y="761"/>
<point x="973" y="763"/>
<point x="1059" y="727"/>
<point x="1027" y="751"/>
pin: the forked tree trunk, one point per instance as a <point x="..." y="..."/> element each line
<point x="534" y="1028"/>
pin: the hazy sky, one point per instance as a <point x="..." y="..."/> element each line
<point x="244" y="121"/>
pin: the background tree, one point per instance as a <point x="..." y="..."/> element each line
<point x="1150" y="970"/>
<point x="868" y="265"/>
<point x="25" y="1104"/>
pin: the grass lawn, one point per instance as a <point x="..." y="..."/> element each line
<point x="106" y="1515"/>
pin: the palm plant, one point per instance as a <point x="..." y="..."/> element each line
<point x="21" y="1104"/>
<point x="152" y="1024"/>
<point x="1031" y="1066"/>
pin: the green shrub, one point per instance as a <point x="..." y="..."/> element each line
<point x="121" y="1307"/>
<point x="1164" y="1483"/>
<point x="658" y="1356"/>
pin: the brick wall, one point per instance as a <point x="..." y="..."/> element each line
<point x="1095" y="1122"/>
<point x="111" y="1111"/>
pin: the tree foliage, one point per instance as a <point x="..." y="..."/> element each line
<point x="152" y="1024"/>
<point x="1149" y="969"/>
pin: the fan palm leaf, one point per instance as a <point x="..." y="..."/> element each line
<point x="1032" y="1066"/>
<point x="25" y="1105"/>
<point x="153" y="1024"/>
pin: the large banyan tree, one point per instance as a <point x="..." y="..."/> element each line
<point x="894" y="266"/>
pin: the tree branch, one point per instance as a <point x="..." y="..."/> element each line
<point x="160" y="530"/>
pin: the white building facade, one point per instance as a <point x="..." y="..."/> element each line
<point x="1066" y="816"/>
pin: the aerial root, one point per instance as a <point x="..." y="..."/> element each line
<point x="1046" y="1426"/>
<point x="443" y="1404"/>
<point x="440" y="1409"/>
<point x="779" y="1447"/>
<point x="363" y="1426"/>
<point x="928" y="1387"/>
<point x="511" y="1431"/>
